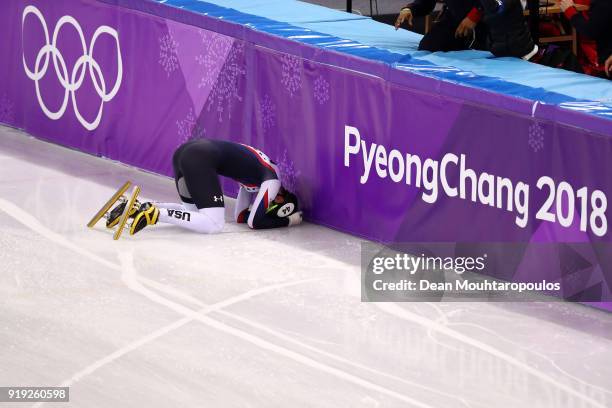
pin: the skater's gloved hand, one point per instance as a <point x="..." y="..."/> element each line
<point x="295" y="219"/>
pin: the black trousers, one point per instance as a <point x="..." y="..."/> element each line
<point x="195" y="174"/>
<point x="441" y="37"/>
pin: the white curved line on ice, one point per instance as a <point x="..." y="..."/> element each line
<point x="129" y="278"/>
<point x="404" y="314"/>
<point x="186" y="297"/>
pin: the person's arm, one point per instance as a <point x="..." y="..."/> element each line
<point x="417" y="8"/>
<point x="468" y="24"/>
<point x="475" y="15"/>
<point x="421" y="8"/>
<point x="592" y="24"/>
<point x="258" y="219"/>
<point x="241" y="211"/>
<point x="608" y="66"/>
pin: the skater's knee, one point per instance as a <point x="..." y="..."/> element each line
<point x="217" y="228"/>
<point x="210" y="220"/>
<point x="210" y="228"/>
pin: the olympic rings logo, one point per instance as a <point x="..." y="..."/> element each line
<point x="71" y="82"/>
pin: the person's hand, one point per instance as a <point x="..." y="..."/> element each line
<point x="465" y="28"/>
<point x="608" y="66"/>
<point x="565" y="4"/>
<point x="404" y="14"/>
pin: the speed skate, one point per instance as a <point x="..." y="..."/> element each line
<point x="117" y="216"/>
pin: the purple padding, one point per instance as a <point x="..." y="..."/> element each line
<point x="175" y="82"/>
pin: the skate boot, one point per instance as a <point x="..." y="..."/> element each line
<point x="115" y="214"/>
<point x="147" y="214"/>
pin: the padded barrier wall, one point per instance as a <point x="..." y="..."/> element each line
<point x="372" y="151"/>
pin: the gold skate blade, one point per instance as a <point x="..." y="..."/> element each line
<point x="109" y="204"/>
<point x="126" y="213"/>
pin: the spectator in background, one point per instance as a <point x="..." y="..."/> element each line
<point x="587" y="51"/>
<point x="608" y="66"/>
<point x="453" y="32"/>
<point x="510" y="36"/>
<point x="595" y="24"/>
<point x="509" y="33"/>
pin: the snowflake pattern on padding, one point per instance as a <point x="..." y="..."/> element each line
<point x="6" y="110"/>
<point x="288" y="173"/>
<point x="215" y="49"/>
<point x="225" y="91"/>
<point x="291" y="75"/>
<point x="168" y="54"/>
<point x="321" y="90"/>
<point x="536" y="137"/>
<point x="267" y="112"/>
<point x="188" y="128"/>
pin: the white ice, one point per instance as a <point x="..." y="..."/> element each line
<point x="169" y="318"/>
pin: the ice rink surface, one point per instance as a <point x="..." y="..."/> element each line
<point x="247" y="318"/>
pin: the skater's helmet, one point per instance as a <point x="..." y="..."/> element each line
<point x="285" y="204"/>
